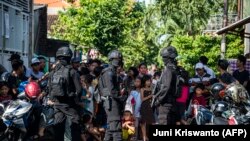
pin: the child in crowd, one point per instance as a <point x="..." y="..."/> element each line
<point x="88" y="131"/>
<point x="143" y="70"/>
<point x="198" y="98"/>
<point x="87" y="102"/>
<point x="147" y="114"/>
<point x="156" y="77"/>
<point x="5" y="95"/>
<point x="137" y="97"/>
<point x="128" y="128"/>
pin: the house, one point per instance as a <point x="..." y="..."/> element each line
<point x="42" y="45"/>
<point x="45" y="15"/>
<point x="53" y="7"/>
<point x="15" y="30"/>
<point x="240" y="27"/>
<point x="215" y="22"/>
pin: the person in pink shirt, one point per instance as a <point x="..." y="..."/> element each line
<point x="182" y="100"/>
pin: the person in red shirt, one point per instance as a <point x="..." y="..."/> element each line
<point x="198" y="98"/>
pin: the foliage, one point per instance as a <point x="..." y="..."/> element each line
<point x="185" y="17"/>
<point x="95" y="24"/>
<point x="182" y="22"/>
<point x="105" y="25"/>
<point x="170" y="18"/>
<point x="140" y="33"/>
<point x="191" y="48"/>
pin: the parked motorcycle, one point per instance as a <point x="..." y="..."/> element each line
<point x="16" y="117"/>
<point x="18" y="114"/>
<point x="229" y="106"/>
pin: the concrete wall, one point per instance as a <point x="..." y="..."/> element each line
<point x="14" y="30"/>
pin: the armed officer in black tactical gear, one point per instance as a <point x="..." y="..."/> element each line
<point x="64" y="88"/>
<point x="164" y="98"/>
<point x="109" y="89"/>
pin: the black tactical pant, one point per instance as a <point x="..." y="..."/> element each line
<point x="67" y="124"/>
<point x="114" y="130"/>
<point x="166" y="114"/>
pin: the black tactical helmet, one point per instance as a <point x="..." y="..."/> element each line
<point x="114" y="54"/>
<point x="216" y="88"/>
<point x="221" y="106"/>
<point x="64" y="52"/>
<point x="5" y="77"/>
<point x="169" y="52"/>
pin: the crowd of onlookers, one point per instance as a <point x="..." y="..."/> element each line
<point x="138" y="82"/>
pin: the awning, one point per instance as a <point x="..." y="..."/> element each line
<point x="234" y="25"/>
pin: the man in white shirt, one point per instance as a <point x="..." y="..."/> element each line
<point x="204" y="60"/>
<point x="34" y="71"/>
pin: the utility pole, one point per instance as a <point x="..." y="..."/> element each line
<point x="225" y="21"/>
<point x="239" y="9"/>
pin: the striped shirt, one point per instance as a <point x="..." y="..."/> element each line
<point x="200" y="79"/>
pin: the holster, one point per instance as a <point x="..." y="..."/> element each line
<point x="105" y="92"/>
<point x="107" y="102"/>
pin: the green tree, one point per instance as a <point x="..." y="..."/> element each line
<point x="95" y="23"/>
<point x="140" y="33"/>
<point x="185" y="17"/>
<point x="190" y="49"/>
<point x="105" y="25"/>
<point x="168" y="18"/>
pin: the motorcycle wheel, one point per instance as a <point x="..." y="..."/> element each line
<point x="3" y="137"/>
<point x="8" y="135"/>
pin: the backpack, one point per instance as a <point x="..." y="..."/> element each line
<point x="104" y="91"/>
<point x="181" y="78"/>
<point x="59" y="81"/>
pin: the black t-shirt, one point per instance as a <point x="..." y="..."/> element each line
<point x="14" y="82"/>
<point x="227" y="78"/>
<point x="241" y="76"/>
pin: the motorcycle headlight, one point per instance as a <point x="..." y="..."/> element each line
<point x="9" y="117"/>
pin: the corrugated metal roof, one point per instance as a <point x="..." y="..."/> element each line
<point x="53" y="3"/>
<point x="234" y="25"/>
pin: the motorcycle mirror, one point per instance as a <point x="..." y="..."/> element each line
<point x="21" y="95"/>
<point x="43" y="84"/>
<point x="227" y="98"/>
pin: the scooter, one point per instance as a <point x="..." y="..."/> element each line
<point x="17" y="117"/>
